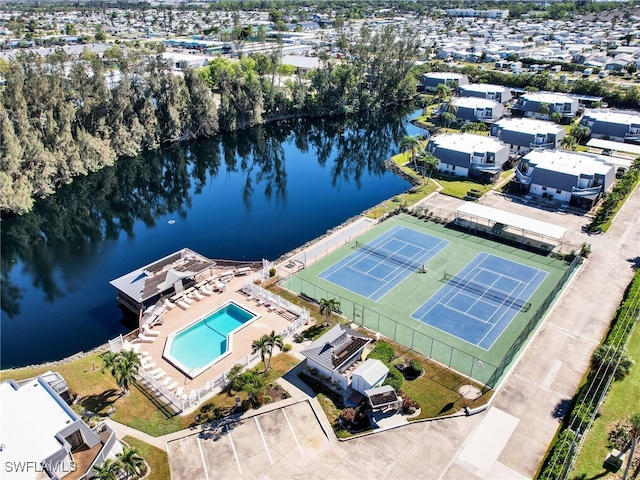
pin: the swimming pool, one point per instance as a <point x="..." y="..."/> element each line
<point x="195" y="348"/>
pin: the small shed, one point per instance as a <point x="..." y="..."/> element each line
<point x="368" y="375"/>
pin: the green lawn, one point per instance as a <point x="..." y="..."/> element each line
<point x="139" y="408"/>
<point x="157" y="459"/>
<point x="459" y="186"/>
<point x="406" y="199"/>
<point x="617" y="406"/>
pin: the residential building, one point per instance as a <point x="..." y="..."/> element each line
<point x="473" y="13"/>
<point x="429" y="81"/>
<point x="471" y="109"/>
<point x="303" y="65"/>
<point x="579" y="179"/>
<point x="42" y="437"/>
<point x="542" y="105"/>
<point x="615" y="125"/>
<point x="335" y="352"/>
<point x="469" y="155"/>
<point x="499" y="93"/>
<point x="525" y="134"/>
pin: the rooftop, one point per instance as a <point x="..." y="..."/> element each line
<point x="474" y="102"/>
<point x="614" y="116"/>
<point x="468" y="142"/>
<point x="547" y="97"/>
<point x="483" y="87"/>
<point x="572" y="163"/>
<point x="31" y="406"/>
<point x="528" y="125"/>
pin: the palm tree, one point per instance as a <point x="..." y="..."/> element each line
<point x="263" y="346"/>
<point x="556" y="117"/>
<point x="579" y="132"/>
<point x="130" y="460"/>
<point x="110" y="470"/>
<point x="410" y="143"/>
<point x="448" y="118"/>
<point x="635" y="438"/>
<point x="125" y="369"/>
<point x="109" y="361"/>
<point x="544" y="109"/>
<point x="442" y="92"/>
<point x="327" y="307"/>
<point x="568" y="142"/>
<point x="450" y="106"/>
<point x="274" y="341"/>
<point x="614" y="359"/>
<point x="430" y="161"/>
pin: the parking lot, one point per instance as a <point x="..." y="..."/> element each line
<point x="283" y="443"/>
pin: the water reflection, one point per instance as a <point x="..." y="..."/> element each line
<point x="66" y="232"/>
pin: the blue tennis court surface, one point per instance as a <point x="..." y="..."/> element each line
<point x="478" y="303"/>
<point x="380" y="265"/>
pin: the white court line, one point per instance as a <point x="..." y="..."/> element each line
<point x="263" y="440"/>
<point x="204" y="463"/>
<point x="233" y="447"/>
<point x="291" y="428"/>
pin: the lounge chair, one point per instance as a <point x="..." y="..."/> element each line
<point x="173" y="385"/>
<point x="147" y="331"/>
<point x="180" y="391"/>
<point x="206" y="291"/>
<point x="167" y="303"/>
<point x="148" y="365"/>
<point x="144" y="338"/>
<point x="159" y="375"/>
<point x="166" y="381"/>
<point x="157" y="370"/>
<point x="182" y="304"/>
<point x="197" y="295"/>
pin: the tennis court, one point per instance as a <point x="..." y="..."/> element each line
<point x="378" y="266"/>
<point x="480" y="301"/>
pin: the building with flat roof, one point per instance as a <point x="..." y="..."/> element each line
<point x="542" y="105"/>
<point x="473" y="109"/>
<point x="42" y="437"/>
<point x="579" y="179"/>
<point x="525" y="134"/>
<point x="615" y="125"/>
<point x="469" y="155"/>
<point x="429" y="81"/>
<point x="499" y="93"/>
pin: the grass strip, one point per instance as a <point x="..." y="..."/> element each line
<point x="157" y="459"/>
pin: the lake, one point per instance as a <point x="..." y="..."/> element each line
<point x="246" y="195"/>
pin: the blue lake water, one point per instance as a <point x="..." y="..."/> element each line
<point x="245" y="195"/>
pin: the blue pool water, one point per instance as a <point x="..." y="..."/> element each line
<point x="199" y="346"/>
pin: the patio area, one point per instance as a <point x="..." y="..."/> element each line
<point x="270" y="316"/>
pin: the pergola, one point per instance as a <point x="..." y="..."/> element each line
<point x="514" y="226"/>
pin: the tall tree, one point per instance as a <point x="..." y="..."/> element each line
<point x="327" y="307"/>
<point x="109" y="470"/>
<point x="410" y="143"/>
<point x="635" y="438"/>
<point x="130" y="460"/>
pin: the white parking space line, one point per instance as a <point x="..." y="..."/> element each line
<point x="263" y="440"/>
<point x="204" y="463"/>
<point x="291" y="428"/>
<point x="233" y="447"/>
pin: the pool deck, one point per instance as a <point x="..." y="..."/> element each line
<point x="177" y="319"/>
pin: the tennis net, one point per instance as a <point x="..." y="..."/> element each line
<point x="485" y="291"/>
<point x="392" y="257"/>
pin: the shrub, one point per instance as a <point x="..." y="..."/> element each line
<point x="348" y="415"/>
<point x="287" y="347"/>
<point x="272" y="272"/>
<point x="394" y="379"/>
<point x="382" y="351"/>
<point x="416" y="367"/>
<point x="409" y="405"/>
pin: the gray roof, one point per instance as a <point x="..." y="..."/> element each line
<point x="335" y="347"/>
<point x="371" y="371"/>
<point x="146" y="282"/>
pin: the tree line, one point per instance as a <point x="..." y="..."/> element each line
<point x="61" y="118"/>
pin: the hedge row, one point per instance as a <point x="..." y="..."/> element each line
<point x="586" y="400"/>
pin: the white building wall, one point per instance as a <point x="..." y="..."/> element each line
<point x="537" y="189"/>
<point x="453" y="169"/>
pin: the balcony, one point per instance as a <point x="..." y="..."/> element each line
<point x="542" y="145"/>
